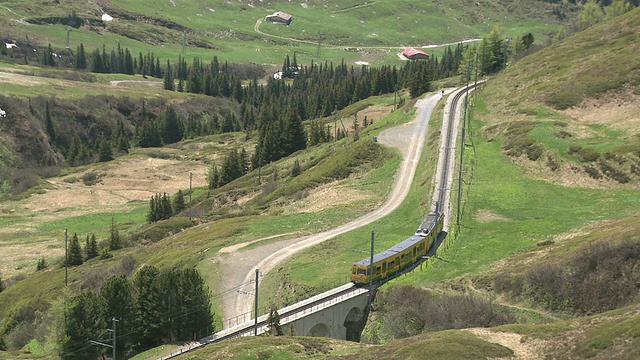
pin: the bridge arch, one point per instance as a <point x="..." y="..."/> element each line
<point x="354" y="315"/>
<point x="320" y="330"/>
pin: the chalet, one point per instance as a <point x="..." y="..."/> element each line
<point x="414" y="54"/>
<point x="279" y="17"/>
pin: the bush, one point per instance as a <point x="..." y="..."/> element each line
<point x="564" y="100"/>
<point x="91" y="178"/>
<point x="408" y="311"/>
<point x="588" y="154"/>
<point x="593" y="172"/>
<point x="599" y="278"/>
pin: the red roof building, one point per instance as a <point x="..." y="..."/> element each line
<point x="414" y="54"/>
<point x="279" y="17"/>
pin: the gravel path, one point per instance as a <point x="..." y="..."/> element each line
<point x="239" y="266"/>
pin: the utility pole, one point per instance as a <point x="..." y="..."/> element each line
<point x="319" y="42"/>
<point x="114" y="320"/>
<point x="255" y="307"/>
<point x="113" y="341"/>
<point x="68" y="31"/>
<point x="371" y="270"/>
<point x="184" y="40"/>
<point x="66" y="260"/>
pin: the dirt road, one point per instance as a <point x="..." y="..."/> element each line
<point x="240" y="266"/>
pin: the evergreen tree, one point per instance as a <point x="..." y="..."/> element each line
<point x="231" y="168"/>
<point x="75" y="252"/>
<point x="122" y="138"/>
<point x="80" y="61"/>
<point x="169" y="83"/>
<point x="213" y="176"/>
<point x="295" y="169"/>
<point x="194" y="315"/>
<point x="293" y="136"/>
<point x="42" y="264"/>
<point x="96" y="62"/>
<point x="48" y="58"/>
<point x="148" y="316"/>
<point x="273" y="322"/>
<point x="173" y="130"/>
<point x="128" y="63"/>
<point x="149" y="135"/>
<point x="115" y="242"/>
<point x="91" y="247"/>
<point x="81" y="320"/>
<point x="104" y="150"/>
<point x="48" y="121"/>
<point x="117" y="297"/>
<point x="178" y="202"/>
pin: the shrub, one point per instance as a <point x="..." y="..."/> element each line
<point x="564" y="99"/>
<point x="91" y="178"/>
<point x="562" y="134"/>
<point x="588" y="154"/>
<point x="408" y="311"/>
<point x="599" y="278"/>
<point x="593" y="172"/>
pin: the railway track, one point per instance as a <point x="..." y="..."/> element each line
<point x="443" y="185"/>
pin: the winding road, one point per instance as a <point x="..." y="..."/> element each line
<point x="409" y="138"/>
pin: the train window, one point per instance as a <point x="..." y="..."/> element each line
<point x="362" y="272"/>
<point x="384" y="267"/>
<point x="377" y="269"/>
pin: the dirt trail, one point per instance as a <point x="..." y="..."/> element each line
<point x="239" y="267"/>
<point x="523" y="348"/>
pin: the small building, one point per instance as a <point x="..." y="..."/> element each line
<point x="279" y="17"/>
<point x="414" y="54"/>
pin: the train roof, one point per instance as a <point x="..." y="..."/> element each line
<point x="429" y="222"/>
<point x="394" y="251"/>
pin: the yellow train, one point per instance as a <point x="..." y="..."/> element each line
<point x="401" y="256"/>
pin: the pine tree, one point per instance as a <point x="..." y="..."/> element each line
<point x="42" y="264"/>
<point x="122" y="138"/>
<point x="80" y="61"/>
<point x="169" y="83"/>
<point x="213" y="176"/>
<point x="81" y="320"/>
<point x="173" y="130"/>
<point x="104" y="150"/>
<point x="273" y="322"/>
<point x="115" y="242"/>
<point x="178" y="202"/>
<point x="117" y="297"/>
<point x="75" y="252"/>
<point x="91" y="247"/>
<point x="148" y="316"/>
<point x="295" y="169"/>
<point x="48" y="121"/>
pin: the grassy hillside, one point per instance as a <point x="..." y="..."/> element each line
<point x="553" y="170"/>
<point x="353" y="30"/>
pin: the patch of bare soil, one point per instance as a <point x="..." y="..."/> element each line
<point x="621" y="111"/>
<point x="486" y="215"/>
<point x="122" y="182"/>
<point x="19" y="79"/>
<point x="327" y="195"/>
<point x="523" y="348"/>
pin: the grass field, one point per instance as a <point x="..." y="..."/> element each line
<point x="355" y="31"/>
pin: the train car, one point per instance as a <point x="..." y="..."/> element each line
<point x="400" y="256"/>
